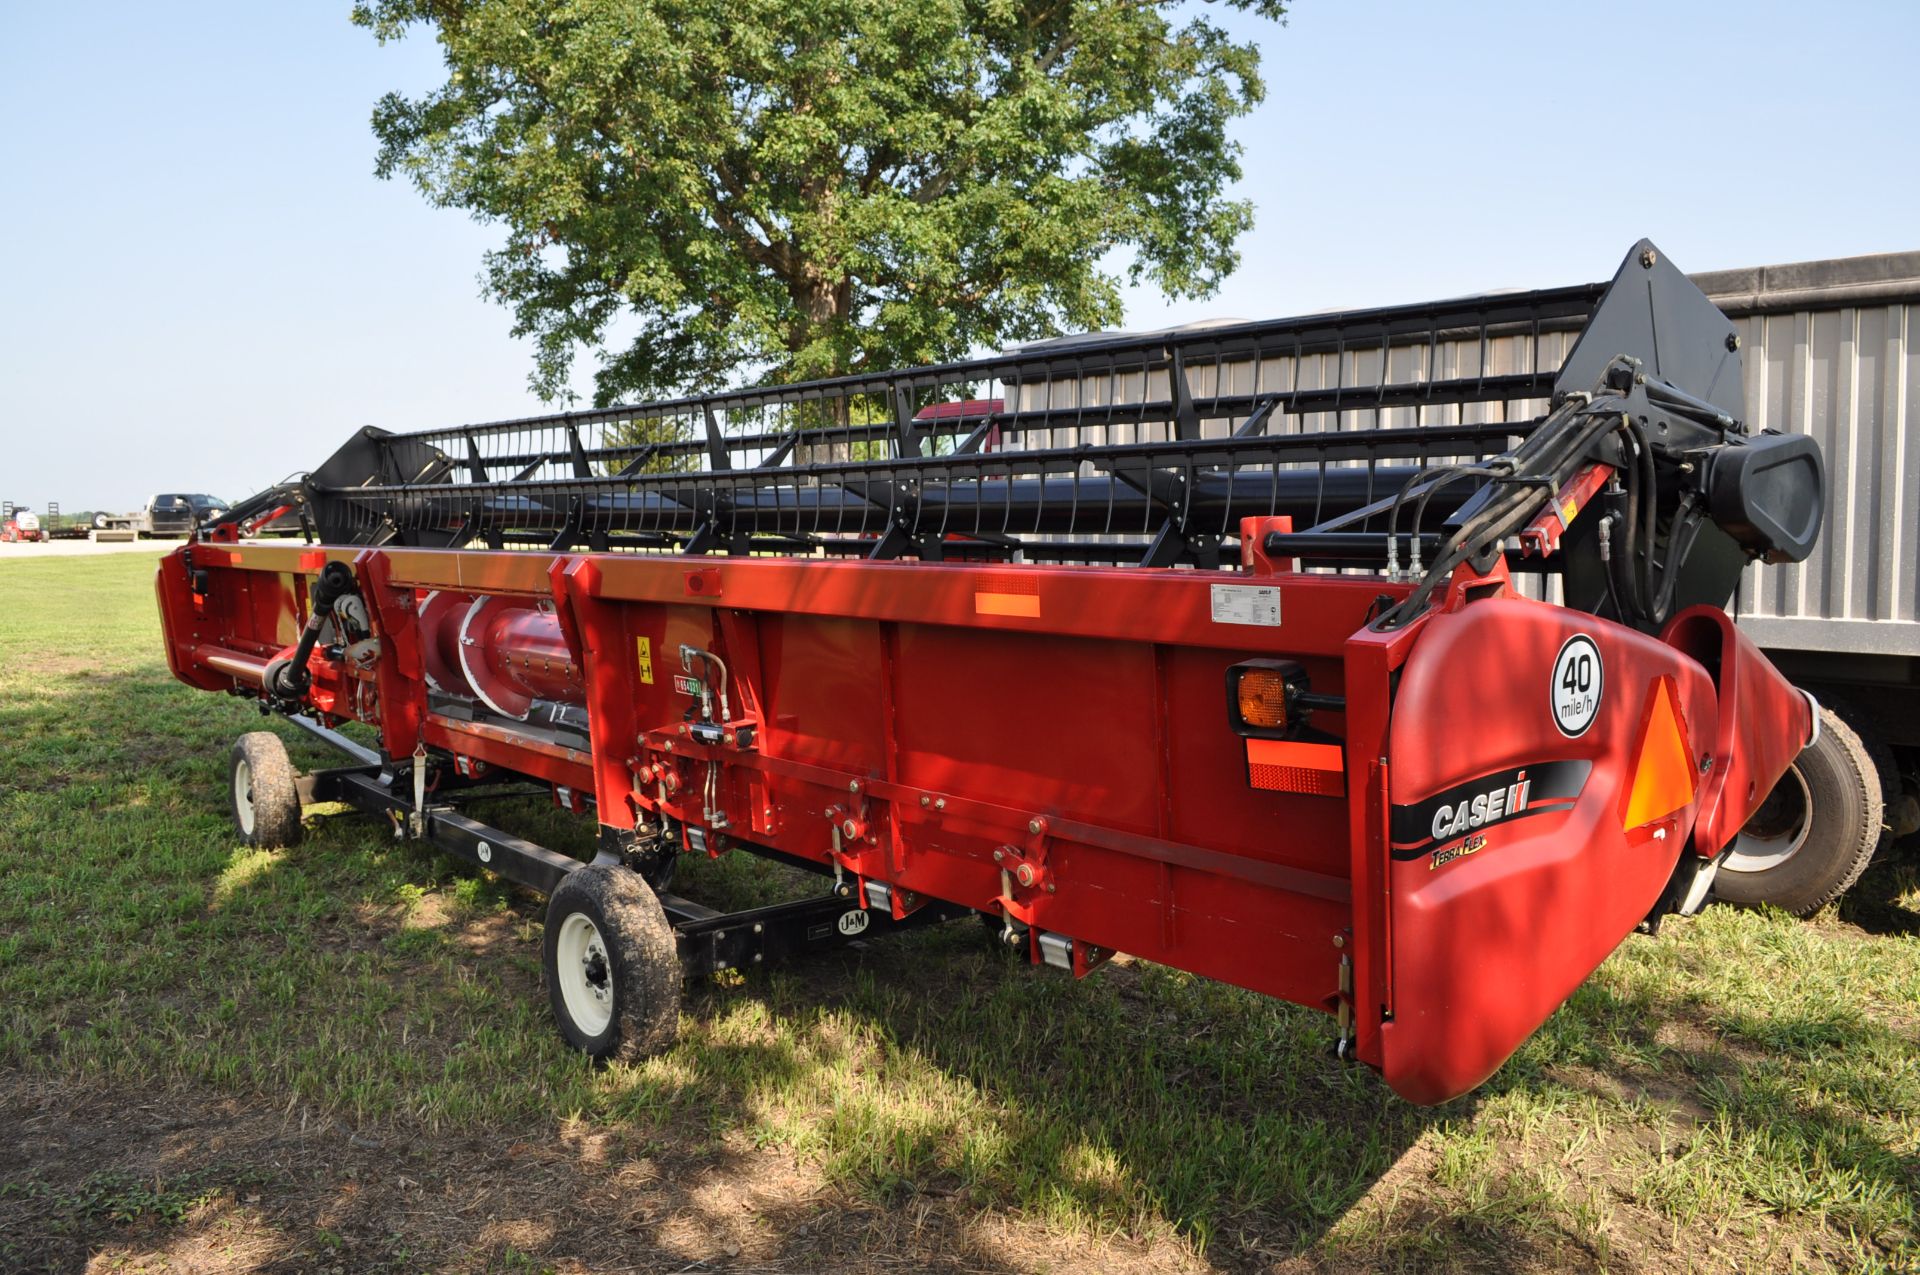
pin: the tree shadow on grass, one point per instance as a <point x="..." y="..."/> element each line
<point x="1781" y="1115"/>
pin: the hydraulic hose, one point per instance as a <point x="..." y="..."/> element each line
<point x="290" y="680"/>
<point x="1530" y="475"/>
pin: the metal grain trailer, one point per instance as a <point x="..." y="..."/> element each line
<point x="1261" y="703"/>
<point x="1833" y="352"/>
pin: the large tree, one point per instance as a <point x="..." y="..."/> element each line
<point x="704" y="189"/>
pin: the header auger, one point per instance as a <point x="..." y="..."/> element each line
<point x="1228" y="648"/>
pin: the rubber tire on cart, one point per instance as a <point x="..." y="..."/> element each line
<point x="1815" y="833"/>
<point x="265" y="801"/>
<point x="612" y="966"/>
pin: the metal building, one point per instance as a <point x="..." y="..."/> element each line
<point x="1830" y="352"/>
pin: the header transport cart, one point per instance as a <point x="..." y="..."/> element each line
<point x="1214" y="647"/>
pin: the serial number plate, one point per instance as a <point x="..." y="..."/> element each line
<point x="1246" y="604"/>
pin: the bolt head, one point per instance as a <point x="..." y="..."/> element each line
<point x="1339" y="940"/>
<point x="939" y="803"/>
<point x="1648" y="257"/>
<point x="853" y="785"/>
<point x="1033" y="825"/>
<point x="1052" y="888"/>
<point x="1733" y="342"/>
<point x="925" y="800"/>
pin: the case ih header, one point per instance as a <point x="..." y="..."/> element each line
<point x="1214" y="647"/>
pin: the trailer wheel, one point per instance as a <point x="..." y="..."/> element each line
<point x="1816" y="831"/>
<point x="266" y="805"/>
<point x="613" y="971"/>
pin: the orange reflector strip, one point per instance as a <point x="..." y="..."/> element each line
<point x="1262" y="698"/>
<point x="1027" y="604"/>
<point x="1663" y="772"/>
<point x="1286" y="765"/>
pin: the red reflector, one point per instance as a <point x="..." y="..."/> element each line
<point x="1663" y="771"/>
<point x="1004" y="593"/>
<point x="1286" y="765"/>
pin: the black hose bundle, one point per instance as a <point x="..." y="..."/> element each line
<point x="1520" y="484"/>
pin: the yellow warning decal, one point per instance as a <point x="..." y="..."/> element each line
<point x="646" y="660"/>
<point x="1569" y="511"/>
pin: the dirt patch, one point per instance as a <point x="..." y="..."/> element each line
<point x="188" y="1181"/>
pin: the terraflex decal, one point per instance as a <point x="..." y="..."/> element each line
<point x="1501" y="797"/>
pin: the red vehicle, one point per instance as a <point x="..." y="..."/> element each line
<point x="21" y="525"/>
<point x="1230" y="654"/>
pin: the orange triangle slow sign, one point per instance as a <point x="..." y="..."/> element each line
<point x="1663" y="771"/>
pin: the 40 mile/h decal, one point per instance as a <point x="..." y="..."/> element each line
<point x="1576" y="686"/>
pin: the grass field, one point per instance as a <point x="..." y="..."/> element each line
<point x="338" y="1057"/>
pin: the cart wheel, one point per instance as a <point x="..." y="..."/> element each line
<point x="613" y="971"/>
<point x="1816" y="831"/>
<point x="266" y="805"/>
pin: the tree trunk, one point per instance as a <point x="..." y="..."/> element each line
<point x="820" y="301"/>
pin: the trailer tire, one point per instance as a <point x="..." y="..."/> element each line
<point x="261" y="787"/>
<point x="1816" y="832"/>
<point x="611" y="964"/>
<point x="1885" y="766"/>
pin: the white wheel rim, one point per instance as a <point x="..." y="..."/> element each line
<point x="243" y="795"/>
<point x="585" y="974"/>
<point x="1773" y="837"/>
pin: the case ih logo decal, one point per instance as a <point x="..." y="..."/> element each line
<point x="1481" y="803"/>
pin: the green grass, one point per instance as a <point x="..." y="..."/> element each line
<point x="1743" y="1089"/>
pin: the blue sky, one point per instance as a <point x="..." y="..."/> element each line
<point x="206" y="287"/>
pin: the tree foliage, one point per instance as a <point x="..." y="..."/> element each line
<point x="697" y="189"/>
